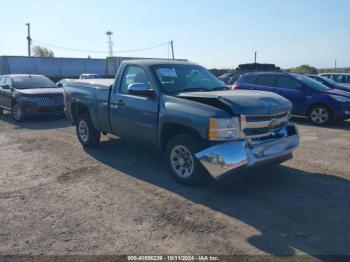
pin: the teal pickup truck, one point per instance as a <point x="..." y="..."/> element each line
<point x="199" y="123"/>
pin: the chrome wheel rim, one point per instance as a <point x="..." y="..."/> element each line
<point x="83" y="131"/>
<point x="17" y="112"/>
<point x="182" y="161"/>
<point x="319" y="115"/>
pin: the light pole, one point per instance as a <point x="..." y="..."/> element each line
<point x="255" y="57"/>
<point x="110" y="43"/>
<point x="29" y="39"/>
<point x="172" y="48"/>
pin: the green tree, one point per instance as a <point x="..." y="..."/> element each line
<point x="304" y="69"/>
<point x="42" y="51"/>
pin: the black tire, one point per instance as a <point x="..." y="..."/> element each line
<point x="320" y="115"/>
<point x="1" y="112"/>
<point x="194" y="174"/>
<point x="88" y="136"/>
<point x="17" y="112"/>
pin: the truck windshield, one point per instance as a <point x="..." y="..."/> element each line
<point x="32" y="81"/>
<point x="186" y="78"/>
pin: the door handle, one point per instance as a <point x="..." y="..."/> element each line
<point x="117" y="104"/>
<point x="120" y="103"/>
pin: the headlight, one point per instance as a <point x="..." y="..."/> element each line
<point x="224" y="128"/>
<point x="342" y="99"/>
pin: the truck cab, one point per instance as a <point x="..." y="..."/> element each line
<point x="197" y="122"/>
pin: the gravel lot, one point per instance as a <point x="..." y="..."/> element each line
<point x="56" y="198"/>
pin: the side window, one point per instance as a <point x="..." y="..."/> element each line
<point x="8" y="81"/>
<point x="339" y="78"/>
<point x="347" y="78"/>
<point x="287" y="83"/>
<point x="250" y="79"/>
<point x="134" y="74"/>
<point x="265" y="80"/>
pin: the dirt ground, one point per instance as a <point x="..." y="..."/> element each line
<point x="57" y="198"/>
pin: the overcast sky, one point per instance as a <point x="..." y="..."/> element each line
<point x="220" y="33"/>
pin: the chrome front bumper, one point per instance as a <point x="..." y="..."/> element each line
<point x="228" y="157"/>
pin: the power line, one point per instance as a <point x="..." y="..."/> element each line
<point x="98" y="52"/>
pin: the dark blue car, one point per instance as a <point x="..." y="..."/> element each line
<point x="309" y="97"/>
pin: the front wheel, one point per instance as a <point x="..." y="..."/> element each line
<point x="320" y="115"/>
<point x="87" y="134"/>
<point x="181" y="160"/>
<point x="17" y="112"/>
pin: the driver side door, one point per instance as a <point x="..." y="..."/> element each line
<point x="134" y="116"/>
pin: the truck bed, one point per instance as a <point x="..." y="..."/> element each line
<point x="93" y="83"/>
<point x="94" y="94"/>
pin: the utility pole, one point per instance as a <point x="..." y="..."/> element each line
<point x="335" y="65"/>
<point x="29" y="39"/>
<point x="172" y="48"/>
<point x="255" y="57"/>
<point x="110" y="43"/>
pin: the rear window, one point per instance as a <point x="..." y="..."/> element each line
<point x="27" y="82"/>
<point x="265" y="80"/>
<point x="250" y="79"/>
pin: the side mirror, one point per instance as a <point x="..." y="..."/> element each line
<point x="59" y="85"/>
<point x="140" y="89"/>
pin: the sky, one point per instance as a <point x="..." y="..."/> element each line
<point x="213" y="33"/>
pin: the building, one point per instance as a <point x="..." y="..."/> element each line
<point x="58" y="68"/>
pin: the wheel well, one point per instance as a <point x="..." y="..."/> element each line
<point x="77" y="110"/>
<point x="318" y="104"/>
<point x="170" y="130"/>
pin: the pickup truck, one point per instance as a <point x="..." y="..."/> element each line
<point x="198" y="123"/>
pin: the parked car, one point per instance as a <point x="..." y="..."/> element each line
<point x="232" y="79"/>
<point x="343" y="79"/>
<point x="226" y="77"/>
<point x="187" y="113"/>
<point x="309" y="97"/>
<point x="62" y="82"/>
<point x="329" y="82"/>
<point x="90" y="76"/>
<point x="26" y="95"/>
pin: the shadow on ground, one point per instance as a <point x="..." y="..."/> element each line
<point x="37" y="123"/>
<point x="291" y="208"/>
<point x="342" y="125"/>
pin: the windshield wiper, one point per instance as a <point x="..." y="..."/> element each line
<point x="191" y="89"/>
<point x="220" y="88"/>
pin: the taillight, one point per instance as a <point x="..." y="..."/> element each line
<point x="236" y="86"/>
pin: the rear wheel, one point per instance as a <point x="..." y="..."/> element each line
<point x="87" y="134"/>
<point x="17" y="112"/>
<point x="181" y="160"/>
<point x="320" y="115"/>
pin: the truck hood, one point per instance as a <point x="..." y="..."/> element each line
<point x="40" y="91"/>
<point x="242" y="102"/>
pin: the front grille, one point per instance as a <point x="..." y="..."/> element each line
<point x="265" y="118"/>
<point x="48" y="100"/>
<point x="256" y="126"/>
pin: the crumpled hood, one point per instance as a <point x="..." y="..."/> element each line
<point x="242" y="102"/>
<point x="41" y="91"/>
